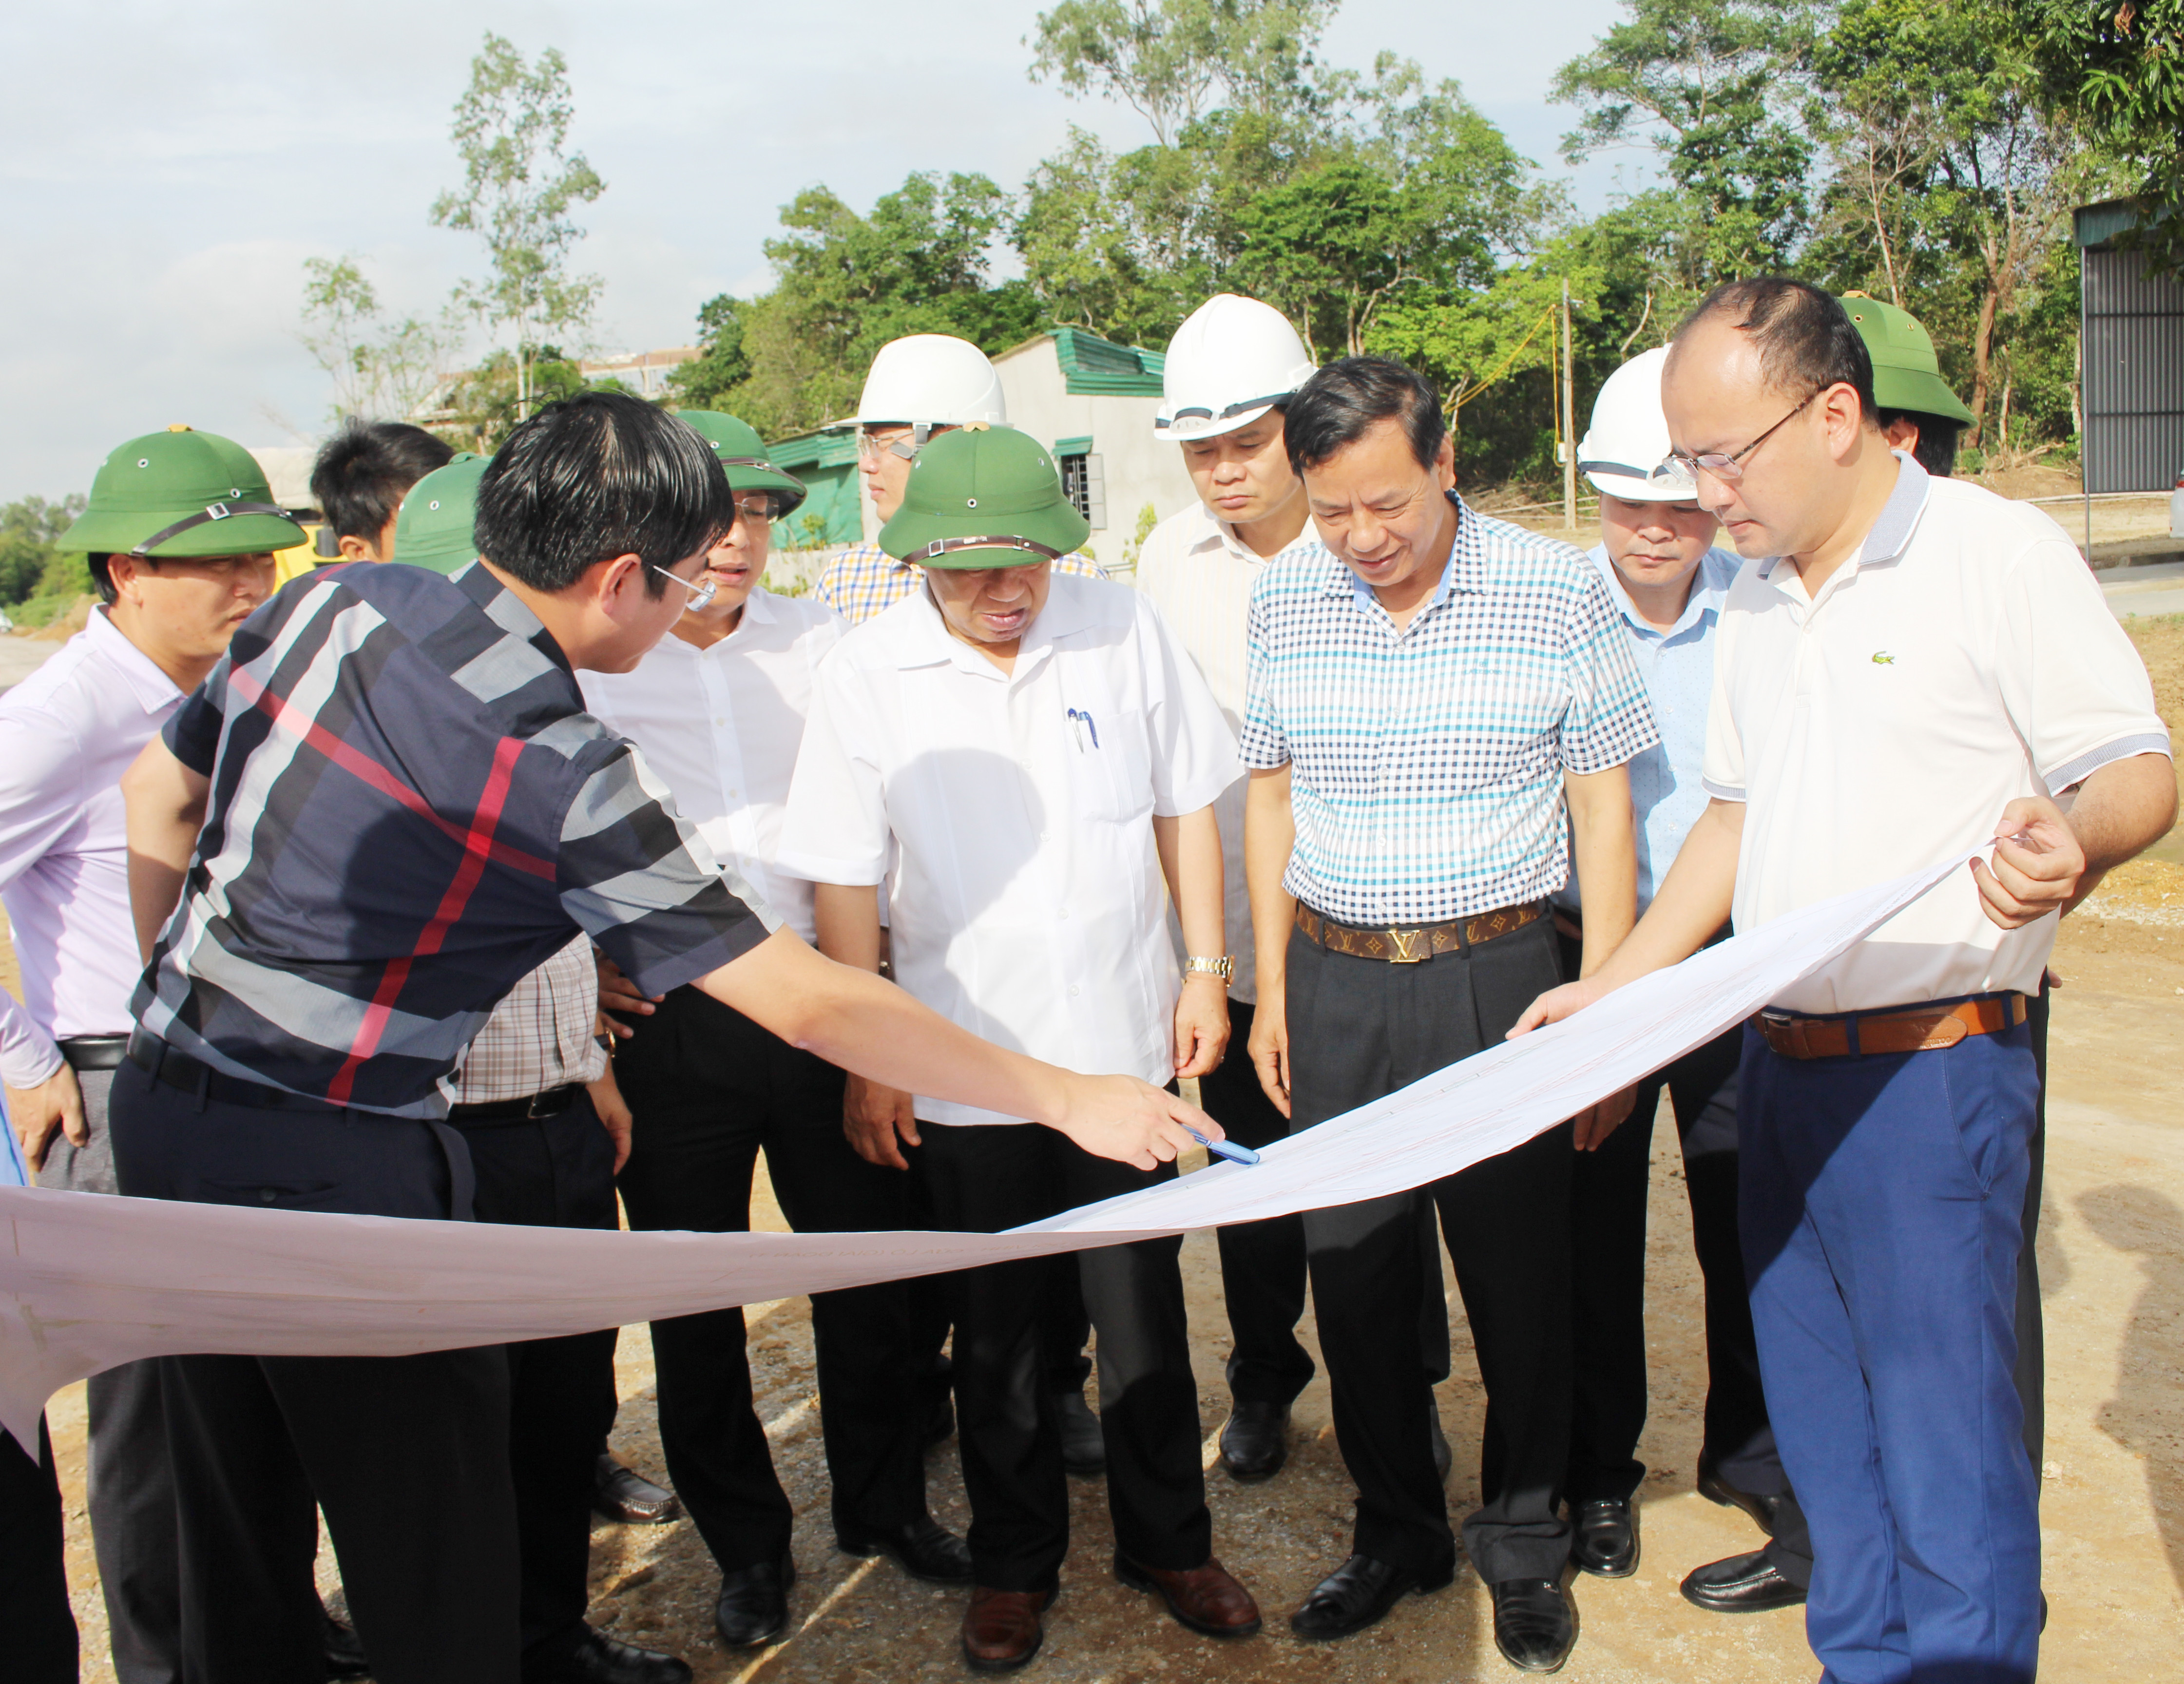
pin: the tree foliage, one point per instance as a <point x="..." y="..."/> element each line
<point x="32" y="570"/>
<point x="379" y="367"/>
<point x="520" y="184"/>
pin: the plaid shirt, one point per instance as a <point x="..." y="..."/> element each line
<point x="1427" y="762"/>
<point x="410" y="810"/>
<point x="864" y="580"/>
<point x="540" y="1037"/>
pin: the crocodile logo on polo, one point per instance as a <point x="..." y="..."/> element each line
<point x="1882" y="658"/>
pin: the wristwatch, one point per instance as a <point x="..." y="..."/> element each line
<point x="1223" y="967"/>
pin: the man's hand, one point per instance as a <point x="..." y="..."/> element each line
<point x="54" y="1106"/>
<point x="1201" y="1025"/>
<point x="1130" y="1121"/>
<point x="617" y="992"/>
<point x="613" y="1114"/>
<point x="873" y="1117"/>
<point x="1270" y="1046"/>
<point x="1557" y="1004"/>
<point x="2037" y="863"/>
<point x="1596" y="1123"/>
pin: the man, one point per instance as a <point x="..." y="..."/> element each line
<point x="412" y="812"/>
<point x="1439" y="705"/>
<point x="1668" y="585"/>
<point x="1228" y="374"/>
<point x="34" y="1593"/>
<point x="918" y="388"/>
<point x="545" y="1128"/>
<point x="718" y="709"/>
<point x="1914" y="670"/>
<point x="1009" y="752"/>
<point x="1916" y="409"/>
<point x="174" y="579"/>
<point x="361" y="475"/>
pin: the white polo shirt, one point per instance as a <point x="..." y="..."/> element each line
<point x="1963" y="659"/>
<point x="1026" y="899"/>
<point x="1200" y="576"/>
<point x="722" y="726"/>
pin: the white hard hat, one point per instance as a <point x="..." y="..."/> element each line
<point x="1231" y="362"/>
<point x="1624" y="451"/>
<point x="932" y="379"/>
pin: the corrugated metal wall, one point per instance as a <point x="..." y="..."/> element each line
<point x="2134" y="375"/>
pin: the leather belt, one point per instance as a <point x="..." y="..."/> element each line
<point x="1416" y="943"/>
<point x="177" y="1069"/>
<point x="529" y="1109"/>
<point x="95" y="1052"/>
<point x="1910" y="1029"/>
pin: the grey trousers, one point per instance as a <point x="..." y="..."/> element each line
<point x="131" y="1482"/>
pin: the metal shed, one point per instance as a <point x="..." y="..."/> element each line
<point x="2132" y="345"/>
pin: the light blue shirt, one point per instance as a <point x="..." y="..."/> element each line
<point x="1678" y="667"/>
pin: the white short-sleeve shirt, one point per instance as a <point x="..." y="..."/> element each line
<point x="1025" y="900"/>
<point x="722" y="726"/>
<point x="1963" y="659"/>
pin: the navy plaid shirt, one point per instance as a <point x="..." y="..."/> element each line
<point x="410" y="810"/>
<point x="1427" y="763"/>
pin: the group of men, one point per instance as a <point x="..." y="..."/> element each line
<point x="337" y="899"/>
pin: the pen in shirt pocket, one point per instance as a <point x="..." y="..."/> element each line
<point x="1081" y="725"/>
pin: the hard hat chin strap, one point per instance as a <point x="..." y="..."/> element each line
<point x="945" y="546"/>
<point x="211" y="512"/>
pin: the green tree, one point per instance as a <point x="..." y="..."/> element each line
<point x="520" y="184"/>
<point x="2117" y="67"/>
<point x="378" y="367"/>
<point x="1713" y="86"/>
<point x="29" y="527"/>
<point x="721" y="367"/>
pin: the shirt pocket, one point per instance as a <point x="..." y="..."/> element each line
<point x="1110" y="764"/>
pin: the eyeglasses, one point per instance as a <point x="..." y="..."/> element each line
<point x="1728" y="466"/>
<point x="871" y="445"/>
<point x="701" y="594"/>
<point x="759" y="505"/>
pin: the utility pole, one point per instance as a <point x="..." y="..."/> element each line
<point x="1570" y="421"/>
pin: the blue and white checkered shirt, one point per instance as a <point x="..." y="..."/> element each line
<point x="1427" y="762"/>
<point x="864" y="580"/>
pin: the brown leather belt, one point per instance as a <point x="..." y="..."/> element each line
<point x="1910" y="1029"/>
<point x="1418" y="942"/>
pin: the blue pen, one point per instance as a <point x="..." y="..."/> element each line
<point x="1234" y="1153"/>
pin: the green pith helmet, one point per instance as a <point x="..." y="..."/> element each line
<point x="179" y="493"/>
<point x="983" y="497"/>
<point x="432" y="529"/>
<point x="737" y="443"/>
<point x="1906" y="375"/>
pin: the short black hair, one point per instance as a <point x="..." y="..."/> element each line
<point x="364" y="471"/>
<point x="101" y="580"/>
<point x="1806" y="340"/>
<point x="1937" y="449"/>
<point x="596" y="476"/>
<point x="1347" y="399"/>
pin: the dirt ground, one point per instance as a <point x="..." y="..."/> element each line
<point x="2112" y="1262"/>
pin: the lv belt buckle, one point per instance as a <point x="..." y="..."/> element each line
<point x="1408" y="946"/>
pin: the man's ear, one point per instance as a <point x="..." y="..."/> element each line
<point x="122" y="571"/>
<point x="615" y="585"/>
<point x="1845" y="419"/>
<point x="1444" y="461"/>
<point x="354" y="549"/>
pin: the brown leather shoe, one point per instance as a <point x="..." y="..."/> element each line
<point x="1001" y="1629"/>
<point x="1206" y="1598"/>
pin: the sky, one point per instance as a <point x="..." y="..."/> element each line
<point x="167" y="170"/>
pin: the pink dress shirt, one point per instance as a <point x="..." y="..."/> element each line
<point x="67" y="733"/>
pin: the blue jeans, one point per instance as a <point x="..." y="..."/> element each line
<point x="1881" y="1210"/>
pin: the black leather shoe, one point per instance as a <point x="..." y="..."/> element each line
<point x="1256" y="1441"/>
<point x="1715" y="1489"/>
<point x="1083" y="1450"/>
<point x="753" y="1610"/>
<point x="1358" y="1594"/>
<point x="598" y="1659"/>
<point x="1444" y="1458"/>
<point x="623" y="1494"/>
<point x="1741" y="1584"/>
<point x="1607" y="1542"/>
<point x="925" y="1549"/>
<point x="1535" y="1626"/>
<point x="345" y="1656"/>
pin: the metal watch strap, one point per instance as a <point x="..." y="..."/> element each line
<point x="1223" y="967"/>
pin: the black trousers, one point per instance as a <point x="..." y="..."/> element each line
<point x="1363" y="1028"/>
<point x="37" y="1627"/>
<point x="710" y="1089"/>
<point x="130" y="1485"/>
<point x="981" y="1179"/>
<point x="557" y="1172"/>
<point x="407" y="1455"/>
<point x="1262" y="1263"/>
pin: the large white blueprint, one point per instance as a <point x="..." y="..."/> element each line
<point x="87" y="1281"/>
